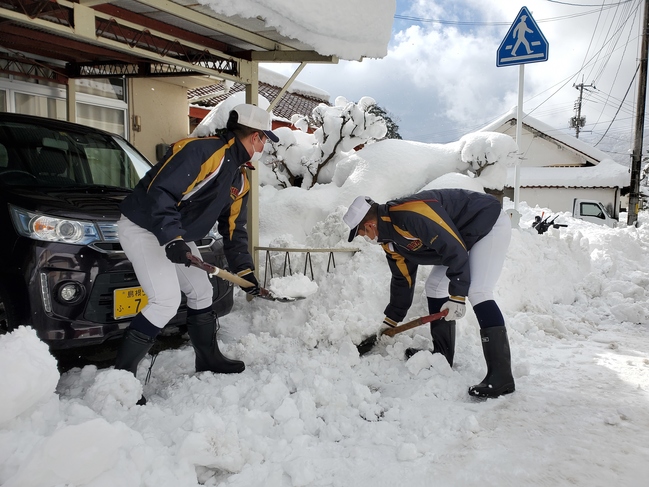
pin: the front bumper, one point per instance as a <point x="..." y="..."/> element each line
<point x="96" y="272"/>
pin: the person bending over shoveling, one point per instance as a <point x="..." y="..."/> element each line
<point x="465" y="236"/>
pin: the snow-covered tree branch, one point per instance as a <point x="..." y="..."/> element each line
<point x="302" y="159"/>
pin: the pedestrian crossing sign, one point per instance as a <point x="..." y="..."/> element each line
<point x="524" y="42"/>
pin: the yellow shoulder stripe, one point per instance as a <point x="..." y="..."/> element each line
<point x="210" y="165"/>
<point x="207" y="167"/>
<point x="425" y="210"/>
<point x="235" y="208"/>
<point x="403" y="233"/>
<point x="400" y="262"/>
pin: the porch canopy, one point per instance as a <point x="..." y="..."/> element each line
<point x="223" y="39"/>
<point x="60" y="40"/>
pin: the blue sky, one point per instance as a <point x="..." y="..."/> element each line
<point x="440" y="80"/>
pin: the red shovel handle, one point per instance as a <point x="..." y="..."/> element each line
<point x="415" y="323"/>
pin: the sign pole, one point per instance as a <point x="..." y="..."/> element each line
<point x="519" y="129"/>
<point x="524" y="43"/>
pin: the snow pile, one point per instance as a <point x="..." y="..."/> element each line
<point x="295" y="286"/>
<point x="577" y="310"/>
<point x="308" y="410"/>
<point x="24" y="383"/>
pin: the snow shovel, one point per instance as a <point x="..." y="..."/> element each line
<point x="240" y="281"/>
<point x="366" y="345"/>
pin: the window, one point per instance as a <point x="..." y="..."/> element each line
<point x="32" y="99"/>
<point x="43" y="154"/>
<point x="591" y="209"/>
<point x="104" y="118"/>
<point x="101" y="103"/>
<point x="42" y="106"/>
<point x="113" y="88"/>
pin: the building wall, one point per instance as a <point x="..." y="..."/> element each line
<point x="538" y="151"/>
<point x="561" y="199"/>
<point x="163" y="113"/>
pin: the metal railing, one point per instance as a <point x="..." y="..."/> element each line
<point x="308" y="263"/>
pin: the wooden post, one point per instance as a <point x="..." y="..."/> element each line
<point x="636" y="157"/>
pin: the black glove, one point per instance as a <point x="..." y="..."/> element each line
<point x="249" y="276"/>
<point x="177" y="252"/>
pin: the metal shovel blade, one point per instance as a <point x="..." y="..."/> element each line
<point x="235" y="279"/>
<point x="266" y="294"/>
<point x="366" y="345"/>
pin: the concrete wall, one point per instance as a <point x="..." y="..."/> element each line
<point x="163" y="112"/>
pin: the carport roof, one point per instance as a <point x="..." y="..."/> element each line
<point x="222" y="38"/>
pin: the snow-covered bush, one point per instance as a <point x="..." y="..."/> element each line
<point x="486" y="155"/>
<point x="303" y="159"/>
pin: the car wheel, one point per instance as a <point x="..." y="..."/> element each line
<point x="8" y="316"/>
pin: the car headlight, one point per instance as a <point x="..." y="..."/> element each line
<point x="52" y="229"/>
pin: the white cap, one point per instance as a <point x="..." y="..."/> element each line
<point x="256" y="118"/>
<point x="355" y="214"/>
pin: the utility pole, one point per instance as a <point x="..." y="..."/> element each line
<point x="636" y="157"/>
<point x="578" y="122"/>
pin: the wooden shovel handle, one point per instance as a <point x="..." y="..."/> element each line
<point x="216" y="271"/>
<point x="415" y="323"/>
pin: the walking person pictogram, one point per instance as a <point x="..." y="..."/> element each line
<point x="519" y="33"/>
<point x="523" y="33"/>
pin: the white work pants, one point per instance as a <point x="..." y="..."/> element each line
<point x="486" y="260"/>
<point x="161" y="279"/>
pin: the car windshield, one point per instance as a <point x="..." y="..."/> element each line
<point x="34" y="155"/>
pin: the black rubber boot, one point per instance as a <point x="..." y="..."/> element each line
<point x="134" y="347"/>
<point x="202" y="330"/>
<point x="499" y="379"/>
<point x="443" y="333"/>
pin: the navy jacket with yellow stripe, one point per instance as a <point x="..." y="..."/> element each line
<point x="435" y="227"/>
<point x="199" y="182"/>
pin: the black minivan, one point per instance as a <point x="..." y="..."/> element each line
<point x="62" y="269"/>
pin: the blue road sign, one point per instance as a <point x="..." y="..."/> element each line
<point x="524" y="42"/>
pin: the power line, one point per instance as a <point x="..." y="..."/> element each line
<point x="609" y="47"/>
<point x="623" y="20"/>
<point x="618" y="110"/>
<point x="595" y="55"/>
<point x="489" y="23"/>
<point x="586" y="5"/>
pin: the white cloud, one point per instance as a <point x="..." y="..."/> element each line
<point x="441" y="80"/>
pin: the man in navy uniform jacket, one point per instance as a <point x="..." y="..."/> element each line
<point x="465" y="236"/>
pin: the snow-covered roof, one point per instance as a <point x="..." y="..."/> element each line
<point x="607" y="174"/>
<point x="274" y="78"/>
<point x="551" y="132"/>
<point x="348" y="30"/>
<point x="268" y="77"/>
<point x="299" y="98"/>
<point x="289" y="104"/>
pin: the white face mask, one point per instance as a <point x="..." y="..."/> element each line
<point x="256" y="156"/>
<point x="374" y="241"/>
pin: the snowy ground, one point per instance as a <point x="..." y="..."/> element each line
<point x="308" y="411"/>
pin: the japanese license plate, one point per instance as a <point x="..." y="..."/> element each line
<point x="128" y="302"/>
